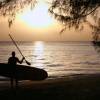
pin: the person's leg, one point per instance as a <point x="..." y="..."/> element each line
<point x="11" y="82"/>
<point x="16" y="79"/>
<point x="16" y="82"/>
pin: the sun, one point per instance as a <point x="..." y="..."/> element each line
<point x="38" y="17"/>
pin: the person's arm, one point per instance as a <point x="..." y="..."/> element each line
<point x="9" y="61"/>
<point x="20" y="61"/>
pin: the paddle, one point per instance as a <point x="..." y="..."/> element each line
<point x="19" y="49"/>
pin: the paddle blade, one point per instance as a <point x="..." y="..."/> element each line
<point x="28" y="63"/>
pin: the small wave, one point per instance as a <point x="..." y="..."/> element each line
<point x="40" y="58"/>
<point x="31" y="56"/>
<point x="87" y="62"/>
<point x="46" y="63"/>
<point x="3" y="78"/>
<point x="55" y="65"/>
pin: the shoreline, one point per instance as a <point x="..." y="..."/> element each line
<point x="79" y="87"/>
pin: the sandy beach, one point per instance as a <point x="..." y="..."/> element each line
<point x="78" y="87"/>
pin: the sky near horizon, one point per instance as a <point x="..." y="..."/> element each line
<point x="39" y="25"/>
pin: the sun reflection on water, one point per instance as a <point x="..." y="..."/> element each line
<point x="38" y="48"/>
<point x="39" y="54"/>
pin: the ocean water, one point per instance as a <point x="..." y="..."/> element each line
<point x="59" y="59"/>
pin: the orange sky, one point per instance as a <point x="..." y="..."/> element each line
<point x="38" y="25"/>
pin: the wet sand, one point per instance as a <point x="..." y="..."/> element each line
<point x="78" y="87"/>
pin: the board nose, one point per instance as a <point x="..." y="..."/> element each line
<point x="45" y="74"/>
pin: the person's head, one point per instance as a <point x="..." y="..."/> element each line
<point x="13" y="53"/>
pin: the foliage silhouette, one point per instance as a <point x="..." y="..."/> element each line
<point x="74" y="13"/>
<point x="10" y="8"/>
<point x="71" y="13"/>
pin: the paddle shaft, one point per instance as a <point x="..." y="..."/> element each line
<point x="16" y="45"/>
<point x="18" y="48"/>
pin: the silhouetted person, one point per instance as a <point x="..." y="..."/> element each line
<point x="13" y="60"/>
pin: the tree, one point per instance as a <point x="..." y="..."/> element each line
<point x="11" y="7"/>
<point x="74" y="13"/>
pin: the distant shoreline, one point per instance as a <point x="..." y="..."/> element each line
<point x="46" y="41"/>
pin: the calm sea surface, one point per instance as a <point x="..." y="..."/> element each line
<point x="59" y="59"/>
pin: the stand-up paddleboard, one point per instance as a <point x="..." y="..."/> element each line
<point x="23" y="72"/>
